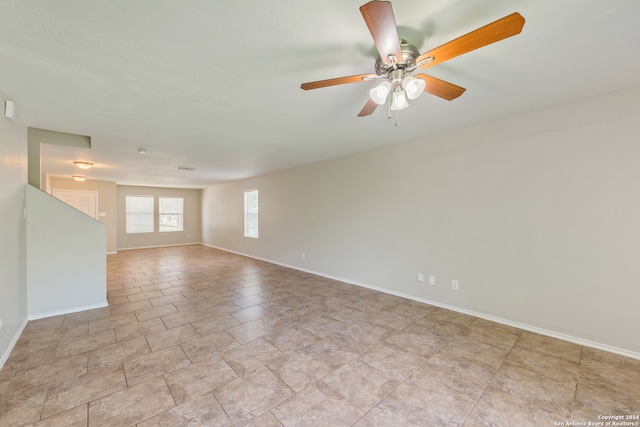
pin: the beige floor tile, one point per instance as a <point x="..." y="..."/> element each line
<point x="111" y="322"/>
<point x="25" y="356"/>
<point x="497" y="408"/>
<point x="291" y="339"/>
<point x="132" y="405"/>
<point x="314" y="406"/>
<point x="419" y="341"/>
<point x="555" y="396"/>
<point x="485" y="332"/>
<point x="602" y="401"/>
<point x="186" y="316"/>
<point x="75" y="417"/>
<point x="250" y="313"/>
<point x="393" y="361"/>
<point x="145" y="296"/>
<point x="154" y="364"/>
<point x="362" y="384"/>
<point x="410" y="404"/>
<point x="251" y="331"/>
<point x="170" y="337"/>
<point x="564" y="349"/>
<point x="264" y="420"/>
<point x="250" y="396"/>
<point x="549" y="365"/>
<point x="117" y="353"/>
<point x="73" y="346"/>
<point x="134" y="330"/>
<point x="617" y="374"/>
<point x="457" y="375"/>
<point x="476" y="352"/>
<point x="301" y="368"/>
<point x="86" y="316"/>
<point x="251" y="356"/>
<point x="203" y="347"/>
<point x="202" y="411"/>
<point x="48" y="371"/>
<point x="85" y="388"/>
<point x="166" y="299"/>
<point x="23" y="407"/>
<point x="130" y="308"/>
<point x="199" y="378"/>
<point x="445" y="315"/>
<point x="338" y="349"/>
<point x="152" y="313"/>
<point x="366" y="333"/>
<point x="253" y="340"/>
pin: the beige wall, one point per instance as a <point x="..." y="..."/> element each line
<point x="13" y="270"/>
<point x="536" y="216"/>
<point x="192" y="214"/>
<point x="106" y="203"/>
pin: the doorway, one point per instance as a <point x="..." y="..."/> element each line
<point x="84" y="201"/>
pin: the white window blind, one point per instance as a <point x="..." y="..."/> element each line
<point x="171" y="213"/>
<point x="139" y="214"/>
<point x="251" y="214"/>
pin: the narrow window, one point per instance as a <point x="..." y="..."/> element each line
<point x="139" y="218"/>
<point x="171" y="213"/>
<point x="251" y="214"/>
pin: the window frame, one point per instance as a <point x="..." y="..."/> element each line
<point x="129" y="227"/>
<point x="180" y="225"/>
<point x="248" y="223"/>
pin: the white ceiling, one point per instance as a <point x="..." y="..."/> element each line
<point x="216" y="85"/>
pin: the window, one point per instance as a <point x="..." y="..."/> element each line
<point x="139" y="218"/>
<point x="251" y="214"/>
<point x="171" y="213"/>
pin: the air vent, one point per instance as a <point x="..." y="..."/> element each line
<point x="185" y="168"/>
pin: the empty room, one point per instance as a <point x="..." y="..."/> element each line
<point x="337" y="213"/>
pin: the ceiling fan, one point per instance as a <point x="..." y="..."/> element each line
<point x="399" y="59"/>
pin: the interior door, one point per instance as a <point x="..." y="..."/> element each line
<point x="84" y="201"/>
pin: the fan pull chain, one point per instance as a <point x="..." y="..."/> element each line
<point x="397" y="118"/>
<point x="389" y="105"/>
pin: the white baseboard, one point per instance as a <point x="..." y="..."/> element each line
<point x="157" y="246"/>
<point x="67" y="311"/>
<point x="12" y="344"/>
<point x="534" y="329"/>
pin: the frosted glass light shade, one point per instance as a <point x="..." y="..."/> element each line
<point x="379" y="93"/>
<point x="414" y="87"/>
<point x="399" y="100"/>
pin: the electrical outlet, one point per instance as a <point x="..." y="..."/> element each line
<point x="454" y="285"/>
<point x="303" y="255"/>
<point x="420" y="277"/>
<point x="1" y="323"/>
<point x="432" y="280"/>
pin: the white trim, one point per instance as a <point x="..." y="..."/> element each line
<point x="13" y="343"/>
<point x="112" y="253"/>
<point x="552" y="334"/>
<point x="158" y="246"/>
<point x="69" y="311"/>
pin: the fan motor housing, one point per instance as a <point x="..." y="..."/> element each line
<point x="409" y="55"/>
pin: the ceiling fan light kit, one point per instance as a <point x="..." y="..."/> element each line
<point x="398" y="59"/>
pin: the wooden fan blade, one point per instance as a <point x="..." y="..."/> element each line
<point x="440" y="88"/>
<point x="378" y="16"/>
<point x="336" y="81"/>
<point x="369" y="108"/>
<point x="501" y="29"/>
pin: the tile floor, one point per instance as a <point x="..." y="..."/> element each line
<point x="196" y="336"/>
